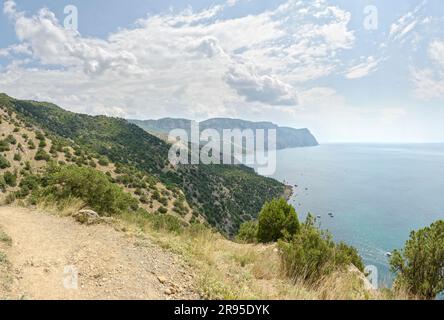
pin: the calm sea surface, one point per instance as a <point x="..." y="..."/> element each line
<point x="377" y="193"/>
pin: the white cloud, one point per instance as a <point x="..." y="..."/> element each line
<point x="194" y="64"/>
<point x="429" y="82"/>
<point x="408" y="22"/>
<point x="363" y="69"/>
<point x="260" y="88"/>
<point x="436" y="52"/>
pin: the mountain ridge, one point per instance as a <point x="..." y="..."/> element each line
<point x="287" y="137"/>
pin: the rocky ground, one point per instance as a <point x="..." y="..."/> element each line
<point x="48" y="252"/>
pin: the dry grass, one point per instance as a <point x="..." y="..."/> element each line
<point x="229" y="270"/>
<point x="65" y="208"/>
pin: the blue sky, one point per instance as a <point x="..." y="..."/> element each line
<point x="316" y="64"/>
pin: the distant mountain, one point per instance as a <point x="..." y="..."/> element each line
<point x="286" y="137"/>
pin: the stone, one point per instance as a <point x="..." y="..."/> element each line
<point x="87" y="217"/>
<point x="161" y="279"/>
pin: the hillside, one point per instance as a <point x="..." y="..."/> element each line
<point x="224" y="196"/>
<point x="285" y="137"/>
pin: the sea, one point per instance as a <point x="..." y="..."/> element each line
<point x="370" y="196"/>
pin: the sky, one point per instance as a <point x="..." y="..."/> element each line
<point x="350" y="71"/>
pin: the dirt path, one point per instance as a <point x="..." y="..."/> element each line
<point x="47" y="250"/>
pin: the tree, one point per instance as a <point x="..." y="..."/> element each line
<point x="420" y="265"/>
<point x="311" y="254"/>
<point x="277" y="219"/>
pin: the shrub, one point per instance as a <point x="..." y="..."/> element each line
<point x="162" y="210"/>
<point x="42" y="155"/>
<point x="311" y="254"/>
<point x="10" y="178"/>
<point x="4" y="146"/>
<point x="277" y="219"/>
<point x="103" y="161"/>
<point x="89" y="185"/>
<point x="10" y="198"/>
<point x="3" y="184"/>
<point x="31" y="144"/>
<point x="419" y="266"/>
<point x="39" y="136"/>
<point x="11" y="139"/>
<point x="144" y="199"/>
<point x="17" y="157"/>
<point x="248" y="232"/>
<point x="28" y="184"/>
<point x="4" y="163"/>
<point x="163" y="201"/>
<point x="166" y="223"/>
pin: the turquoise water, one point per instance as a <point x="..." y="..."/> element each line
<point x="378" y="193"/>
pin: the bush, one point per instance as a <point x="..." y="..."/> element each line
<point x="89" y="185"/>
<point x="31" y="144"/>
<point x="42" y="144"/>
<point x="311" y="254"/>
<point x="419" y="266"/>
<point x="162" y="210"/>
<point x="28" y="184"/>
<point x="17" y="157"/>
<point x="10" y="178"/>
<point x="4" y="163"/>
<point x="277" y="220"/>
<point x="4" y="146"/>
<point x="103" y="161"/>
<point x="3" y="184"/>
<point x="248" y="232"/>
<point x="166" y="223"/>
<point x="11" y="139"/>
<point x="42" y="155"/>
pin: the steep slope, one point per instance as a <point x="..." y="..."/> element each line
<point x="225" y="196"/>
<point x="286" y="137"/>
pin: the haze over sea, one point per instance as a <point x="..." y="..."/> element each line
<point x="378" y="193"/>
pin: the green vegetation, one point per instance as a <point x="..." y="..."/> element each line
<point x="248" y="232"/>
<point x="31" y="144"/>
<point x="42" y="155"/>
<point x="10" y="178"/>
<point x="307" y="254"/>
<point x="420" y="265"/>
<point x="311" y="255"/>
<point x="91" y="186"/>
<point x="4" y="163"/>
<point x="277" y="220"/>
<point x="218" y="192"/>
<point x="103" y="161"/>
